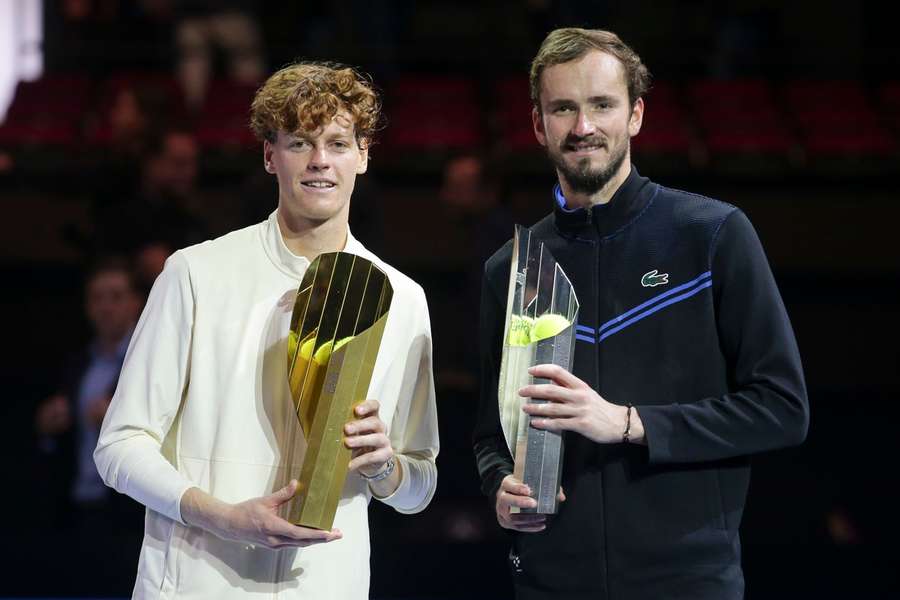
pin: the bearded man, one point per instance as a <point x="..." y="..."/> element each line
<point x="685" y="363"/>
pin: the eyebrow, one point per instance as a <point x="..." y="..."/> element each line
<point x="291" y="137"/>
<point x="340" y="136"/>
<point x="560" y="103"/>
<point x="593" y="100"/>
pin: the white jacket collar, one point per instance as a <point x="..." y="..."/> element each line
<point x="288" y="262"/>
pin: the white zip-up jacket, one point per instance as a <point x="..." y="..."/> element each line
<point x="203" y="400"/>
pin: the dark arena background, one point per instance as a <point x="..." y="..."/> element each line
<point x="791" y="111"/>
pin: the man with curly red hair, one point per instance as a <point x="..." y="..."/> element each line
<point x="193" y="430"/>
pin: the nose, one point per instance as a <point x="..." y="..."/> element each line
<point x="318" y="159"/>
<point x="583" y="126"/>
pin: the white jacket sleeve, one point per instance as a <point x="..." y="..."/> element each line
<point x="152" y="383"/>
<point x="414" y="430"/>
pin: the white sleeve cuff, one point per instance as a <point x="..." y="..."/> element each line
<point x="416" y="485"/>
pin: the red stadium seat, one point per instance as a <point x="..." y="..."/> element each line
<point x="730" y="93"/>
<point x="217" y="132"/>
<point x="771" y="141"/>
<point x="58" y="96"/>
<point x="512" y="102"/>
<point x="432" y="113"/>
<point x="870" y="142"/>
<point x="225" y="116"/>
<point x="740" y="117"/>
<point x="667" y="128"/>
<point x="228" y="98"/>
<point x="158" y="94"/>
<point x="838" y="118"/>
<point x="46" y="112"/>
<point x="37" y="133"/>
<point x="163" y="83"/>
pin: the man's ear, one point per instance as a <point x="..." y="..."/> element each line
<point x="537" y="122"/>
<point x="637" y="117"/>
<point x="267" y="157"/>
<point x="363" y="165"/>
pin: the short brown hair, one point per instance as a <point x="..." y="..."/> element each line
<point x="572" y="43"/>
<point x="307" y="95"/>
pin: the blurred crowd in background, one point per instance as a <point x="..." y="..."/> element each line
<point x="134" y="143"/>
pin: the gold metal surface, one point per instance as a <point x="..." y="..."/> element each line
<point x="336" y="329"/>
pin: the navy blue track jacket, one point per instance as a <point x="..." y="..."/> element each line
<point x="680" y="316"/>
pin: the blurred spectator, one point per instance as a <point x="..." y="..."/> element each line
<point x="477" y="223"/>
<point x="67" y="424"/>
<point x="163" y="209"/>
<point x="112" y="305"/>
<point x="470" y="193"/>
<point x="132" y="113"/>
<point x="171" y="166"/>
<point x="228" y="25"/>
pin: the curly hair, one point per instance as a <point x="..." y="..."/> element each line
<point x="305" y="96"/>
<point x="571" y="43"/>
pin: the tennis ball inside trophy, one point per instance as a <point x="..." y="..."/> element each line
<point x="310" y="381"/>
<point x="328" y="348"/>
<point x="306" y="349"/>
<point x="520" y="330"/>
<point x="547" y="326"/>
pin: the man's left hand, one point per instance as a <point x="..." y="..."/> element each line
<point x="367" y="439"/>
<point x="575" y="406"/>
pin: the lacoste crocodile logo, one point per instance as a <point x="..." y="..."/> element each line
<point x="651" y="279"/>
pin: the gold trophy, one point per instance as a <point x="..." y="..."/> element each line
<point x="541" y="312"/>
<point x="336" y="327"/>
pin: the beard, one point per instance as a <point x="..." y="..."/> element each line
<point x="581" y="178"/>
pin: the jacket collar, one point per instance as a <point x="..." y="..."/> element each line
<point x="625" y="206"/>
<point x="285" y="260"/>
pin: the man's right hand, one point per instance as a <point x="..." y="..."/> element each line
<point x="253" y="521"/>
<point x="513" y="492"/>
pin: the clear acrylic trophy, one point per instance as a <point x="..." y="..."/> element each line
<point x="541" y="313"/>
